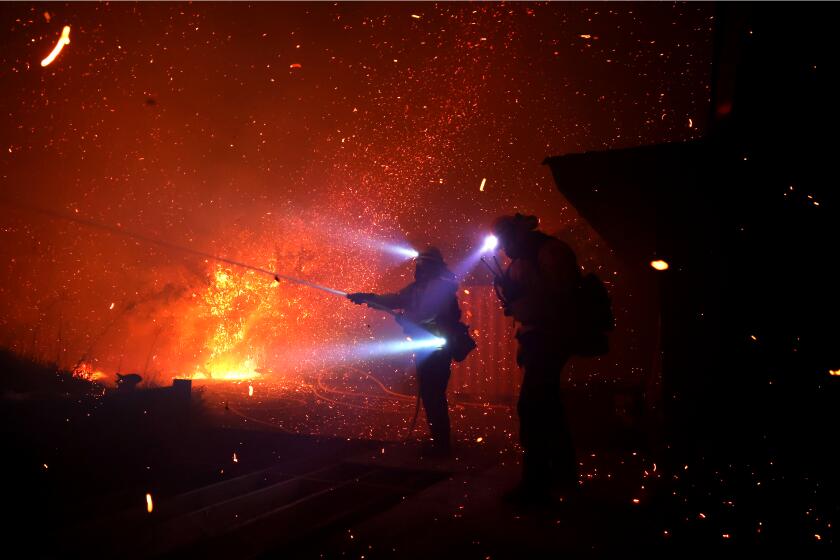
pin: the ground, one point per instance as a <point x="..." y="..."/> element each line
<point x="228" y="476"/>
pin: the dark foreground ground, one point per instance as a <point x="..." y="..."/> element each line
<point x="228" y="479"/>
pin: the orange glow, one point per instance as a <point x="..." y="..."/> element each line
<point x="250" y="390"/>
<point x="659" y="265"/>
<point x="295" y="65"/>
<point x="85" y="371"/>
<point x="483" y="182"/>
<point x="149" y="505"/>
<point x="63" y="40"/>
<point x="834" y="372"/>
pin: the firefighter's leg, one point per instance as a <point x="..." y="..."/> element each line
<point x="433" y="373"/>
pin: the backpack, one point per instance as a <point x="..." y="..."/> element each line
<point x="594" y="317"/>
<point x="460" y="342"/>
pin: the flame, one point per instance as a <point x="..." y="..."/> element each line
<point x="230" y="302"/>
<point x="834" y="372"/>
<point x="85" y="371"/>
<point x="63" y="40"/>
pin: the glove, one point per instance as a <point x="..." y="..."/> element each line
<point x="360" y="297"/>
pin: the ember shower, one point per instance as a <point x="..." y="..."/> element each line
<point x="299" y="138"/>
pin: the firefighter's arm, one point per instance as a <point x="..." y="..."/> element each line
<point x="391" y="301"/>
<point x="526" y="309"/>
<point x="388" y="301"/>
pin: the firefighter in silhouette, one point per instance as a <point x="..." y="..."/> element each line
<point x="538" y="290"/>
<point x="429" y="308"/>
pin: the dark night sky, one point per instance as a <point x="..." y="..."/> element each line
<point x="279" y="134"/>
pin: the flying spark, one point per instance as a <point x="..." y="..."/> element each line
<point x="659" y="265"/>
<point x="63" y="40"/>
<point x="483" y="182"/>
<point x="149" y="505"/>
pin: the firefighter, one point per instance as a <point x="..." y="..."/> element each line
<point x="429" y="303"/>
<point x="538" y="290"/>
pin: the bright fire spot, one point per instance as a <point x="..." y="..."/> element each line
<point x="295" y="65"/>
<point x="250" y="390"/>
<point x="224" y="299"/>
<point x="46" y="466"/>
<point x="415" y="16"/>
<point x="834" y="372"/>
<point x="586" y="36"/>
<point x="690" y="123"/>
<point x="659" y="265"/>
<point x="817" y="536"/>
<point x="85" y="371"/>
<point x="235" y="458"/>
<point x="752" y="336"/>
<point x="63" y="40"/>
<point x="111" y="306"/>
<point x="725" y="535"/>
<point x="149" y="505"/>
<point x="635" y="500"/>
<point x="483" y="182"/>
<point x="479" y="439"/>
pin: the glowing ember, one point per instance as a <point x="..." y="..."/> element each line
<point x="834" y="372"/>
<point x="149" y="504"/>
<point x="235" y="458"/>
<point x="659" y="265"/>
<point x="63" y="40"/>
<point x="483" y="182"/>
<point x="250" y="390"/>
